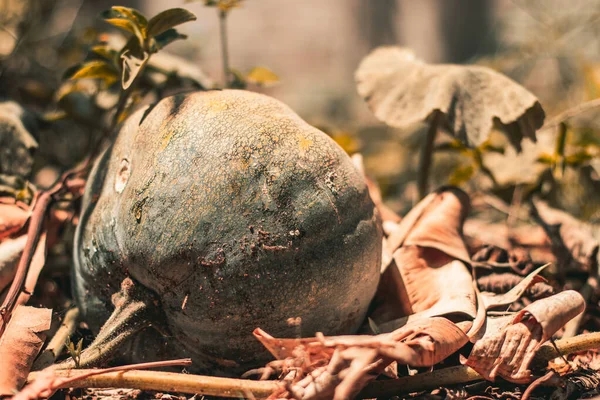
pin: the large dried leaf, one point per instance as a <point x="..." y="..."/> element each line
<point x="428" y="276"/>
<point x="16" y="141"/>
<point x="435" y="285"/>
<point x="339" y="367"/>
<point x="20" y="344"/>
<point x="510" y="343"/>
<point x="402" y="90"/>
<point x="435" y="222"/>
<point x="574" y="243"/>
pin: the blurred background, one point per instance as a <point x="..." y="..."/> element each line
<point x="315" y="46"/>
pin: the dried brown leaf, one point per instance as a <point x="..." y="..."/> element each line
<point x="20" y="344"/>
<point x="428" y="276"/>
<point x="402" y="90"/>
<point x="509" y="343"/>
<point x="435" y="222"/>
<point x="339" y="367"/>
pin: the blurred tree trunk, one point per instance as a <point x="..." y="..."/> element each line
<point x="465" y="28"/>
<point x="379" y="22"/>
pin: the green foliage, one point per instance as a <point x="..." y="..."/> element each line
<point x="108" y="65"/>
<point x="223" y="5"/>
<point x="259" y="76"/>
<point x="148" y="37"/>
<point x="74" y="350"/>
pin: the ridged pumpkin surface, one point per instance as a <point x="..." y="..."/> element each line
<point x="237" y="214"/>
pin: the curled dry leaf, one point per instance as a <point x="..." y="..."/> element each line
<point x="510" y="343"/>
<point x="340" y="366"/>
<point x="402" y="90"/>
<point x="20" y="344"/>
<point x="574" y="243"/>
<point x="428" y="276"/>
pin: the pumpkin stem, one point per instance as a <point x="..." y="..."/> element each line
<point x="134" y="308"/>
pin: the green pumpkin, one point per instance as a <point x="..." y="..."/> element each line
<point x="236" y="214"/>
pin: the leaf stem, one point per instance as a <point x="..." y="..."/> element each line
<point x="224" y="47"/>
<point x="426" y="155"/>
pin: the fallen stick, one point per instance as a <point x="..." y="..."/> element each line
<point x="171" y="382"/>
<point x="243" y="388"/>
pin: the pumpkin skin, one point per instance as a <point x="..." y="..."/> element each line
<point x="237" y="214"/>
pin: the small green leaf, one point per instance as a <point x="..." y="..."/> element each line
<point x="127" y="19"/>
<point x="223" y="5"/>
<point x="461" y="175"/>
<point x="104" y="52"/>
<point x="167" y="37"/>
<point x="578" y="158"/>
<point x="238" y="81"/>
<point x="262" y="76"/>
<point x="169" y="19"/>
<point x="97" y="70"/>
<point x="546" y="158"/>
<point x="133" y="15"/>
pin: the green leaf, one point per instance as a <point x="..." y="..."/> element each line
<point x="238" y="81"/>
<point x="578" y="158"/>
<point x="133" y="15"/>
<point x="168" y="19"/>
<point x="546" y="158"/>
<point x="127" y="19"/>
<point x="262" y="76"/>
<point x="105" y="52"/>
<point x="97" y="70"/>
<point x="167" y="37"/>
<point x="461" y="175"/>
